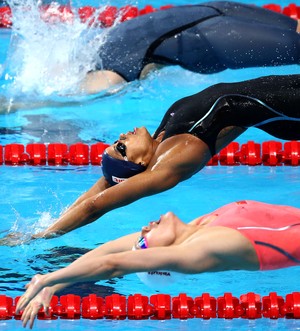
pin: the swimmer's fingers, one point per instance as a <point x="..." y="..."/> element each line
<point x="11" y="240"/>
<point x="23" y="301"/>
<point x="14" y="239"/>
<point x="30" y="313"/>
<point x="34" y="306"/>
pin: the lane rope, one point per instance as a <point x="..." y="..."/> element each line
<point x="106" y="16"/>
<point x="267" y="153"/>
<point x="163" y="307"/>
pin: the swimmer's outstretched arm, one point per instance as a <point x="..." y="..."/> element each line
<point x="93" y="206"/>
<point x="159" y="176"/>
<point x="43" y="298"/>
<point x="215" y="249"/>
<point x="90" y="267"/>
<point x="12" y="105"/>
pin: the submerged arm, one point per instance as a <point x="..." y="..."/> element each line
<point x="95" y="82"/>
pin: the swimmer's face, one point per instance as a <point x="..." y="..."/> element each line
<point x="163" y="232"/>
<point x="132" y="146"/>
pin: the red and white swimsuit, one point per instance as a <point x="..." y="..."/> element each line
<point x="274" y="230"/>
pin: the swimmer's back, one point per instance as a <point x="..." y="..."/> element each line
<point x="175" y="36"/>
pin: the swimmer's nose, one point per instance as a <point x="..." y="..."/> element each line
<point x="169" y="215"/>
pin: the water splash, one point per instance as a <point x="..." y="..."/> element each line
<point x="48" y="56"/>
<point x="22" y="229"/>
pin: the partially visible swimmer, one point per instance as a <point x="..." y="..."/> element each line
<point x="205" y="38"/>
<point x="244" y="235"/>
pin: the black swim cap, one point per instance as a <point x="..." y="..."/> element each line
<point x="116" y="171"/>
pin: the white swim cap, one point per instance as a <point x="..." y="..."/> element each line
<point x="158" y="279"/>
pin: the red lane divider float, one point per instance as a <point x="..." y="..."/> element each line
<point x="163" y="307"/>
<point x="269" y="153"/>
<point x="106" y="16"/>
<point x="103" y="17"/>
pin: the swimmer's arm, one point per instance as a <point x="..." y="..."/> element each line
<point x="89" y="209"/>
<point x="12" y="105"/>
<point x="157" y="178"/>
<point x="97" y="188"/>
<point x="122" y="244"/>
<point x="72" y="213"/>
<point x="94" y="83"/>
<point x="190" y="258"/>
<point x="214" y="249"/>
<point x="44" y="296"/>
<point x="91" y="266"/>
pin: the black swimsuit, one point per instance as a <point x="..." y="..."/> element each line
<point x="269" y="103"/>
<point x="205" y="38"/>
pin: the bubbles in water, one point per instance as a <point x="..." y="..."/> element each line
<point x="50" y="51"/>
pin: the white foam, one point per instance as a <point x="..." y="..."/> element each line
<point x="49" y="58"/>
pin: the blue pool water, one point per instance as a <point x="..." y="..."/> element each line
<point x="33" y="197"/>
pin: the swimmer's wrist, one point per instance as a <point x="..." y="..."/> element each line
<point x="44" y="235"/>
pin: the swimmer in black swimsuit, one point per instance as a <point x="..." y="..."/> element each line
<point x="193" y="129"/>
<point x="205" y="38"/>
<point x="271" y="104"/>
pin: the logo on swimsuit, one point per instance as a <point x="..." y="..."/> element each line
<point x="160" y="273"/>
<point x="117" y="179"/>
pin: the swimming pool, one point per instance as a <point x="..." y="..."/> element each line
<point x="34" y="196"/>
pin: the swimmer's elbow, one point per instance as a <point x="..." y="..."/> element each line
<point x="111" y="267"/>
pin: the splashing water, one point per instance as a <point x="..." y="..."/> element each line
<point x="48" y="56"/>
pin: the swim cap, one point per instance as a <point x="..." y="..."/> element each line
<point x="116" y="171"/>
<point x="158" y="279"/>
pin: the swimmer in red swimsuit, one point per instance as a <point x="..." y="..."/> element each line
<point x="244" y="235"/>
<point x="272" y="230"/>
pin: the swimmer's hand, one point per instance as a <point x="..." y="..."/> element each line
<point x="18" y="238"/>
<point x="35" y="298"/>
<point x="15" y="239"/>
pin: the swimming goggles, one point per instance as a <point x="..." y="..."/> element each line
<point x="121" y="148"/>
<point x="142" y="243"/>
